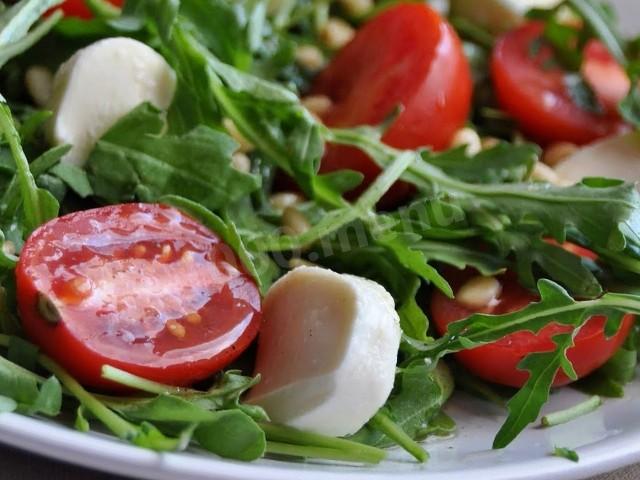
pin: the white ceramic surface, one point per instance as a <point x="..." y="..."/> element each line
<point x="605" y="440"/>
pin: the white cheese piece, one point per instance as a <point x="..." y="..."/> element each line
<point x="497" y="15"/>
<point x="327" y="351"/>
<point x="614" y="157"/>
<point x="100" y="84"/>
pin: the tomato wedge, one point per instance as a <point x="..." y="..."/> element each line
<point x="536" y="96"/>
<point x="497" y="362"/>
<point x="142" y="287"/>
<point x="407" y="56"/>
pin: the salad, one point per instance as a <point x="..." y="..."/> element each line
<point x="295" y="228"/>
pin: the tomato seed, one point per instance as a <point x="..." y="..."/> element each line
<point x="139" y="251"/>
<point x="165" y="253"/>
<point x="176" y="329"/>
<point x="193" y="318"/>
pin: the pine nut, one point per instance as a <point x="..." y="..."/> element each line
<point x="300" y="262"/>
<point x="336" y="33"/>
<point x="357" y="8"/>
<point x="479" y="292"/>
<point x="283" y="200"/>
<point x="544" y="173"/>
<point x="317" y="104"/>
<point x="489" y="142"/>
<point x="245" y="146"/>
<point x="294" y="222"/>
<point x="469" y="137"/>
<point x="558" y="152"/>
<point x="241" y="162"/>
<point x="310" y="58"/>
<point x="39" y="83"/>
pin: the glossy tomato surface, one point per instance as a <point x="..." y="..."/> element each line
<point x="78" y="8"/>
<point x="497" y="362"/>
<point x="407" y="56"/>
<point x="142" y="287"/>
<point x="535" y="93"/>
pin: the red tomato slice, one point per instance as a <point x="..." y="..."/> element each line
<point x="536" y="95"/>
<point x="141" y="287"/>
<point x="497" y="362"/>
<point x="78" y="8"/>
<point x="408" y="55"/>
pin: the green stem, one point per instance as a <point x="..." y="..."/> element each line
<point x="103" y="9"/>
<point x="565" y="416"/>
<point x="385" y="425"/>
<point x="127" y="379"/>
<point x="284" y="434"/>
<point x="337" y="219"/>
<point x="119" y="426"/>
<point x="306" y="451"/>
<point x="27" y="183"/>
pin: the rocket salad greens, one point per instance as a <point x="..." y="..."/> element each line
<point x="376" y="185"/>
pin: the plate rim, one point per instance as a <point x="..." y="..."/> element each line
<point x="106" y="454"/>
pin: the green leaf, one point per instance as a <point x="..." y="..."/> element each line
<point x="133" y="159"/>
<point x="413" y="321"/>
<point x="418" y="396"/>
<point x="504" y="163"/>
<point x="76" y="178"/>
<point x="232" y="434"/>
<point x="49" y="399"/>
<point x="525" y="406"/>
<point x="81" y="423"/>
<point x="39" y="205"/>
<point x="7" y="404"/>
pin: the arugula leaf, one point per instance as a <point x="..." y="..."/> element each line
<point x="504" y="163"/>
<point x="232" y="434"/>
<point x="555" y="306"/>
<point x="38" y="204"/>
<point x="75" y="177"/>
<point x="133" y="159"/>
<point x="418" y="396"/>
<point x="16" y="21"/>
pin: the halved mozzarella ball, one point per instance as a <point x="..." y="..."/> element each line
<point x="100" y="84"/>
<point x="614" y="157"/>
<point x="327" y="351"/>
<point x="497" y="15"/>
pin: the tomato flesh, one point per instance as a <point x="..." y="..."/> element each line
<point x="141" y="287"/>
<point x="497" y="362"/>
<point x="535" y="94"/>
<point x="407" y="56"/>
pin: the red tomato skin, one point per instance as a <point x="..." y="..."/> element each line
<point x="86" y="338"/>
<point x="407" y="56"/>
<point x="79" y="9"/>
<point x="497" y="362"/>
<point x="536" y="96"/>
<point x="605" y="76"/>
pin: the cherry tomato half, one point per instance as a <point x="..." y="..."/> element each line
<point x="78" y="8"/>
<point x="407" y="56"/>
<point x="497" y="362"/>
<point x="535" y="93"/>
<point x="141" y="287"/>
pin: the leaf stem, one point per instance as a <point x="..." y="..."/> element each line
<point x="127" y="379"/>
<point x="383" y="423"/>
<point x="570" y="414"/>
<point x="118" y="425"/>
<point x="310" y="451"/>
<point x="284" y="434"/>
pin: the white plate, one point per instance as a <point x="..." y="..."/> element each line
<point x="605" y="440"/>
